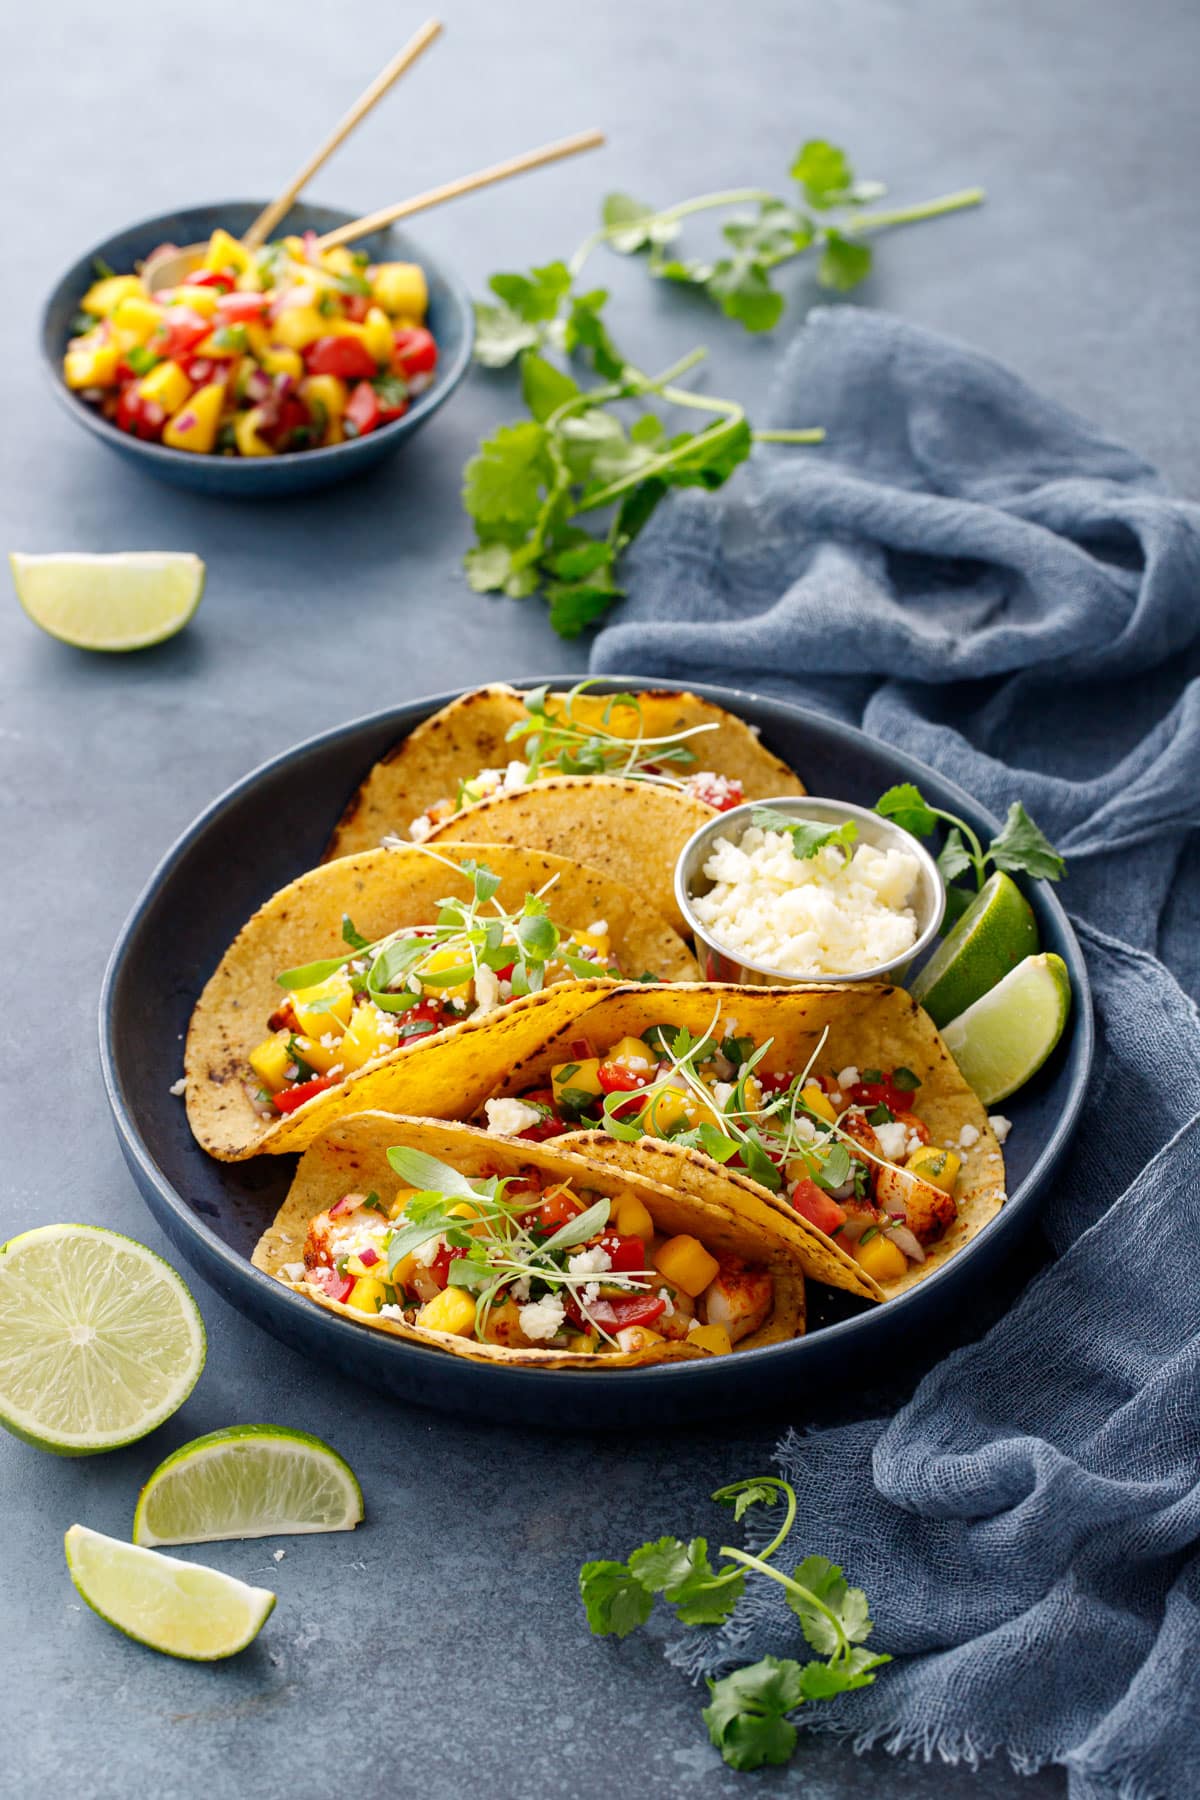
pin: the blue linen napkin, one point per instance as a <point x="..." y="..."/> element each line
<point x="978" y="576"/>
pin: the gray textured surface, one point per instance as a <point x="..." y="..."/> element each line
<point x="440" y="1646"/>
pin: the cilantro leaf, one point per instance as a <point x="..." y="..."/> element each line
<point x="501" y="335"/>
<point x="826" y="1582"/>
<point x="684" y="1577"/>
<point x="616" y="1603"/>
<point x="535" y="297"/>
<point x="742" y="289"/>
<point x="807" y="835"/>
<point x="746" y="1714"/>
<point x="585" y="330"/>
<point x="543" y="386"/>
<point x="908" y="807"/>
<point x="352" y="936"/>
<point x="844" y="262"/>
<point x="635" y="226"/>
<point x="574" y="605"/>
<point x="742" y="1495"/>
<point x="503" y="482"/>
<point x="1021" y="847"/>
<point x="821" y="1681"/>
<point x="824" y="173"/>
<point x="953" y="857"/>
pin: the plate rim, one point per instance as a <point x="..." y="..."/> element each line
<point x="238" y="1267"/>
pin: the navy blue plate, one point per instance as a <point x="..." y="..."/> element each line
<point x="211" y="882"/>
<point x="451" y="320"/>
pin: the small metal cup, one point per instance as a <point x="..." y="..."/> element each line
<point x="719" y="963"/>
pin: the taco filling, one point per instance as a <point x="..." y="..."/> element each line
<point x="846" y="1148"/>
<point x="581" y="734"/>
<point x="529" y="1261"/>
<point x="342" y="1012"/>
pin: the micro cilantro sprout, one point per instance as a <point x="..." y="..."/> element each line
<point x="532" y="484"/>
<point x="1020" y="847"/>
<point x="749" y="1714"/>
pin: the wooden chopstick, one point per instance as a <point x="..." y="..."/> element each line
<point x="270" y="216"/>
<point x="466" y="184"/>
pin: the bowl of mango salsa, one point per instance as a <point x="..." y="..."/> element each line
<point x="262" y="372"/>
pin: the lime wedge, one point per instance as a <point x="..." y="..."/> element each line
<point x="249" y="1481"/>
<point x="1004" y="1039"/>
<point x="997" y="930"/>
<point x="180" y="1608"/>
<point x="100" y="1340"/>
<point x="122" y="602"/>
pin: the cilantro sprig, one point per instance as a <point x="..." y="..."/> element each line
<point x="807" y="835"/>
<point x="533" y="483"/>
<point x="749" y="1715"/>
<point x="1020" y="847"/>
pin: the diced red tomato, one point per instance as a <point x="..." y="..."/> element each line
<point x="141" y="418"/>
<point x="356" y="307"/>
<point x="425" y="1012"/>
<point x="818" y="1207"/>
<point x="553" y="1211"/>
<point x="200" y="369"/>
<point x="415" y="351"/>
<point x="619" y="1078"/>
<point x="774" y="1081"/>
<point x="235" y="309"/>
<point x="346" y="357"/>
<point x="616" y="1314"/>
<point x="439" y="1268"/>
<point x="338" y="1287"/>
<point x="881" y="1093"/>
<point x="580" y="1049"/>
<point x="288" y="1099"/>
<point x="213" y="278"/>
<point x="551" y="1125"/>
<point x="720" y="791"/>
<point x="506" y="974"/>
<point x="363" y="410"/>
<point x="180" y="331"/>
<point x="627" y="1253"/>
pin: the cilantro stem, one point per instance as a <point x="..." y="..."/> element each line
<point x="911" y="215"/>
<point x="793" y="1587"/>
<point x="682" y="210"/>
<point x="813" y="434"/>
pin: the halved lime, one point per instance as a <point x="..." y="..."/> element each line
<point x="181" y="1608"/>
<point x="1004" y="1039"/>
<point x="997" y="930"/>
<point x="100" y="1340"/>
<point x="122" y="602"/>
<point x="249" y="1481"/>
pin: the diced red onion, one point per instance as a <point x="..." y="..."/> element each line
<point x="904" y="1240"/>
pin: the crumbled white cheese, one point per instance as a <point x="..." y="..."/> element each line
<point x="179" y="1088"/>
<point x="664" y="1294"/>
<point x="1000" y="1126"/>
<point x="598" y="928"/>
<point x="487" y="989"/>
<point x="418" y="831"/>
<point x="541" y="1319"/>
<point x="589" y="1262"/>
<point x="427" y="1254"/>
<point x="828" y="914"/>
<point x="967" y="1136"/>
<point x="590" y="1293"/>
<point x="390" y="1311"/>
<point x="893" y="1139"/>
<point x="915" y="1142"/>
<point x="722" y="1091"/>
<point x="293" y="1271"/>
<point x="278" y="1555"/>
<point x="520" y="1289"/>
<point x="508" y="1118"/>
<point x="848" y="1077"/>
<point x="516" y="775"/>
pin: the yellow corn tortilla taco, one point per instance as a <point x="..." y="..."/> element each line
<point x="853" y="1075"/>
<point x="632" y="830"/>
<point x="640" y="1273"/>
<point x="381" y="985"/>
<point x="477" y="742"/>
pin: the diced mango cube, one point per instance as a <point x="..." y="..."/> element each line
<point x="937" y="1166"/>
<point x="299" y="326"/>
<point x="632" y="1218"/>
<point x="367" y="1295"/>
<point x="282" y="362"/>
<point x="339" y="261"/>
<point x="202" y="300"/>
<point x="366" y="1036"/>
<point x="817" y="1101"/>
<point x="224" y="252"/>
<point x="576" y="1078"/>
<point x="880" y="1257"/>
<point x="317" y="1055"/>
<point x="594" y="942"/>
<point x="137" y="316"/>
<point x="451" y="1310"/>
<point x="245" y="431"/>
<point x="271" y="1060"/>
<point x="327" y="391"/>
<point x="686" y="1263"/>
<point x="94" y="367"/>
<point x="399" y="1204"/>
<point x="713" y="1338"/>
<point x="325" y="1007"/>
<point x="633" y="1051"/>
<point x="194" y="426"/>
<point x="637" y="1337"/>
<point x="668" y="1110"/>
<point x="166" y="385"/>
<point x="400" y="288"/>
<point x="104" y="295"/>
<point x="377" y="334"/>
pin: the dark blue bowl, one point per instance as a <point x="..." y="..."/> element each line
<point x="274" y="824"/>
<point x="451" y="320"/>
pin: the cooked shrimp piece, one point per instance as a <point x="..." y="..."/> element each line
<point x="350" y="1224"/>
<point x="739" y="1299"/>
<point x="928" y="1211"/>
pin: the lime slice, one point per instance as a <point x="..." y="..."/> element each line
<point x="100" y="1340"/>
<point x="122" y="602"/>
<point x="247" y="1482"/>
<point x="1004" y="1039"/>
<point x="997" y="930"/>
<point x="180" y="1608"/>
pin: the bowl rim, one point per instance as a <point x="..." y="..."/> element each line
<point x="848" y="810"/>
<point x="216" y="1254"/>
<point x="425" y="404"/>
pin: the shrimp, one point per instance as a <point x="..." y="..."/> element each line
<point x="738" y="1298"/>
